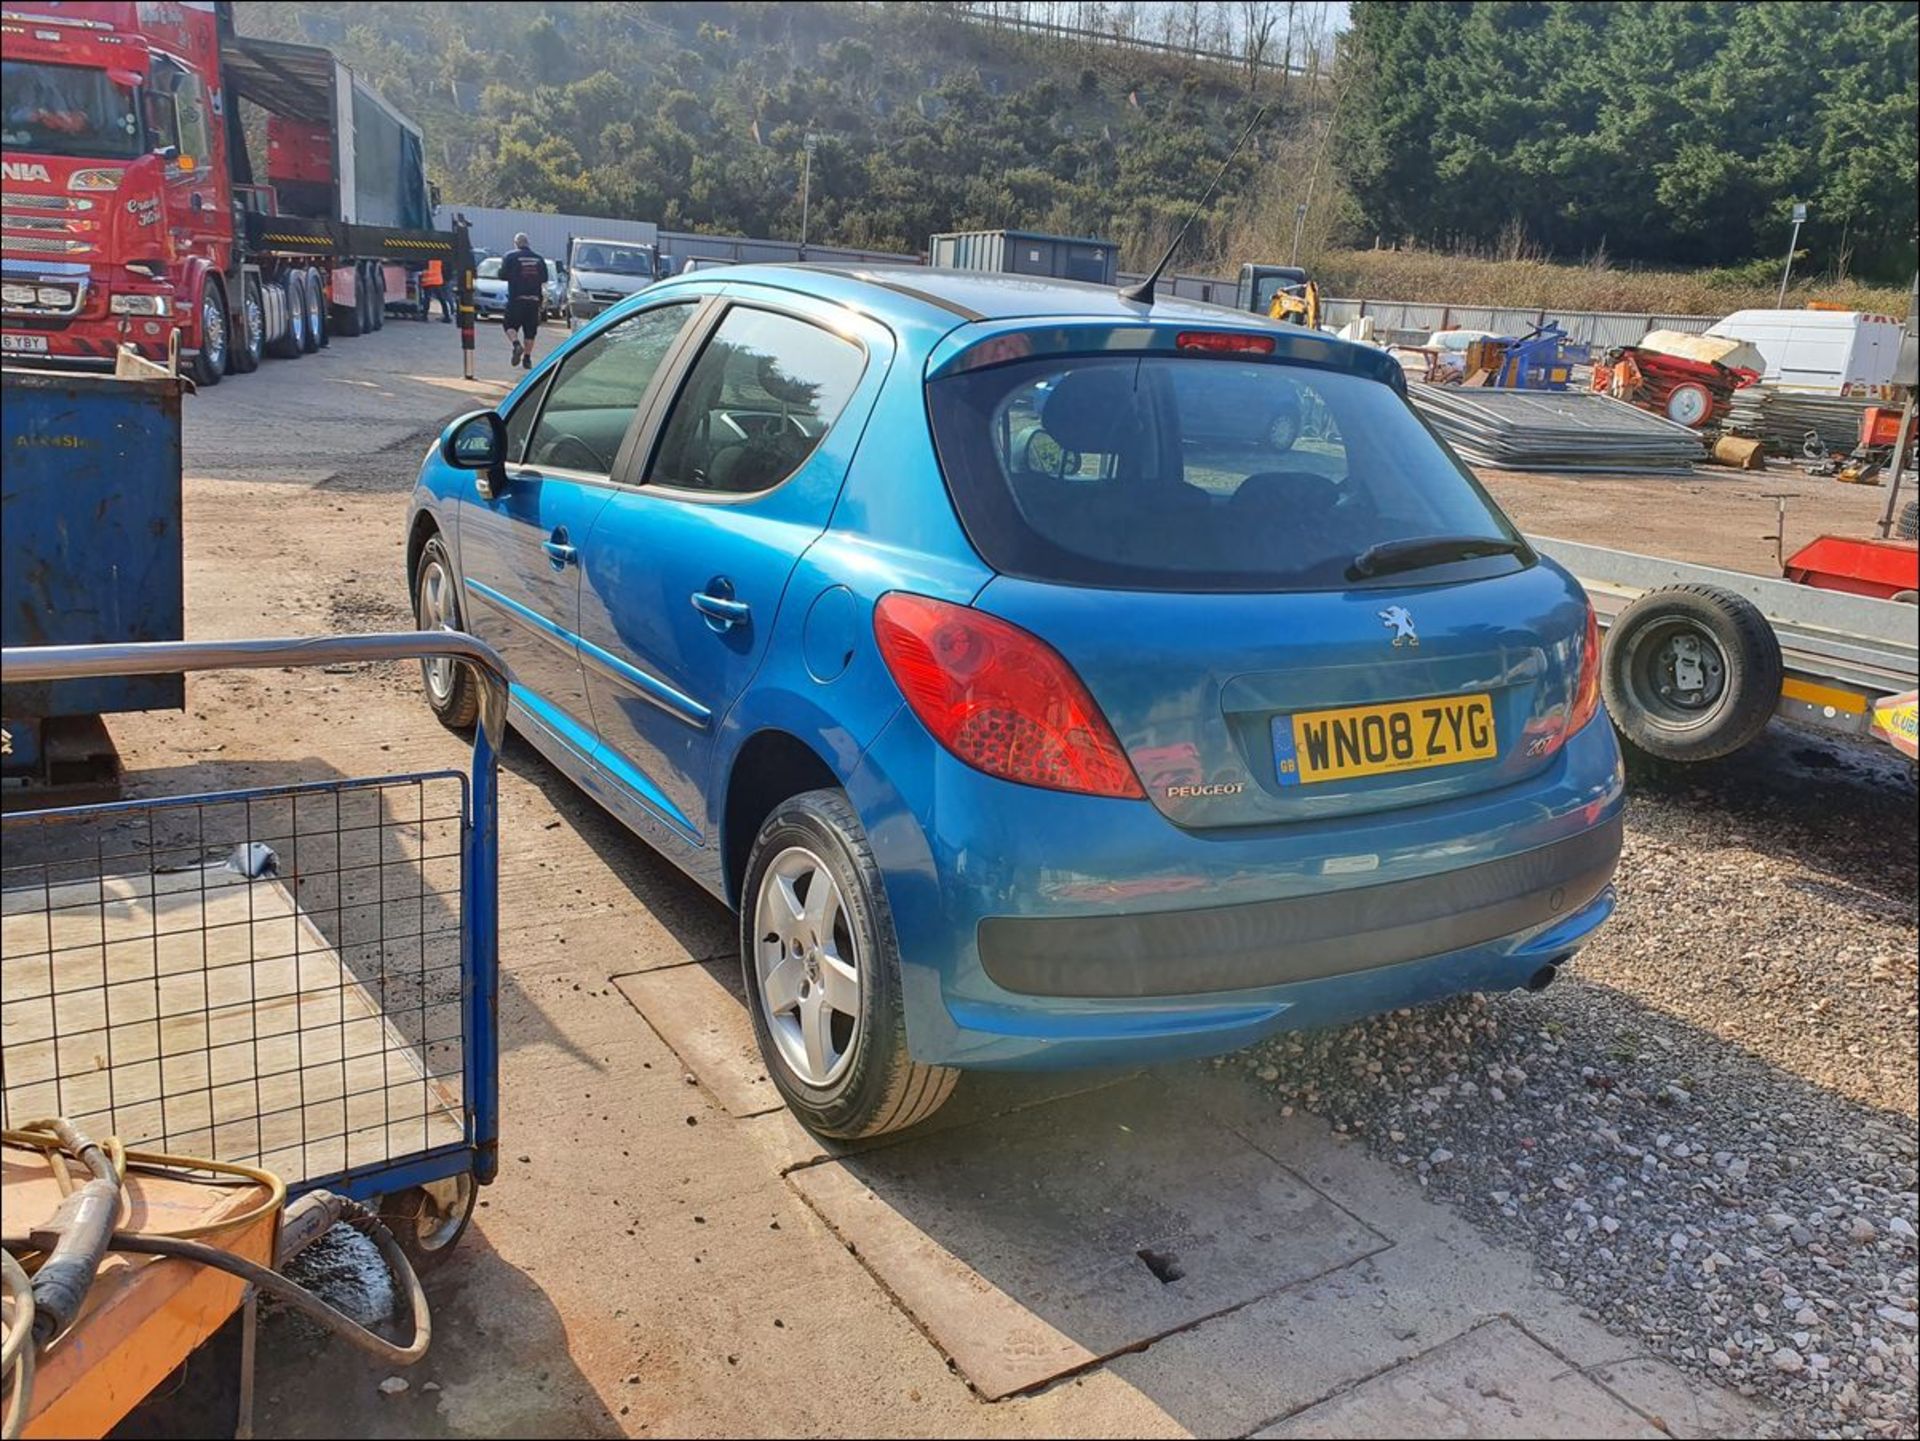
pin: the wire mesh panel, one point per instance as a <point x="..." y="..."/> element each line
<point x="272" y="977"/>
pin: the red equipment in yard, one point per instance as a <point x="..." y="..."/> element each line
<point x="1887" y="569"/>
<point x="1693" y="393"/>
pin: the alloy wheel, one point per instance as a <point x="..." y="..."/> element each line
<point x="434" y="611"/>
<point x="807" y="966"/>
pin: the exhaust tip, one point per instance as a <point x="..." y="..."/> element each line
<point x="1542" y="978"/>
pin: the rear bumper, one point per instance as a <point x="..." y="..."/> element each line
<point x="1038" y="929"/>
<point x="1299" y="938"/>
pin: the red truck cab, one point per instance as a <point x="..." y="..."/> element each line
<point x="118" y="198"/>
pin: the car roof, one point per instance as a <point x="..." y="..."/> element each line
<point x="973" y="294"/>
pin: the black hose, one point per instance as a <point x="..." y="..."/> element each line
<point x="303" y="1301"/>
<point x="81" y="1228"/>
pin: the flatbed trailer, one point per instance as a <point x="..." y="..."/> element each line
<point x="1735" y="650"/>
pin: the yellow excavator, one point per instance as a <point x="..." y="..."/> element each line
<point x="1281" y="292"/>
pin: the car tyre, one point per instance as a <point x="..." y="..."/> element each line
<point x="1283" y="430"/>
<point x="1908" y="526"/>
<point x="452" y="692"/>
<point x="859" y="1079"/>
<point x="1691" y="672"/>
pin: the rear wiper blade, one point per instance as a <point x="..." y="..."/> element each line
<point x="1424" y="550"/>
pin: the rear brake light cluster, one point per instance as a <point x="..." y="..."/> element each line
<point x="1225" y="342"/>
<point x="1585" y="697"/>
<point x="1000" y="699"/>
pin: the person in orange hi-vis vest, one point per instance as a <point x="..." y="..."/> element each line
<point x="433" y="284"/>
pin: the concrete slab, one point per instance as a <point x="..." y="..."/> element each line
<point x="1494" y="1381"/>
<point x="1034" y="1245"/>
<point x="701" y="1011"/>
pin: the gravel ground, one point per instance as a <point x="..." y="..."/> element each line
<point x="1705" y="1131"/>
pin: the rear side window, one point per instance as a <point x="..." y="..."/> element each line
<point x="1165" y="472"/>
<point x="761" y="397"/>
<point x="591" y="401"/>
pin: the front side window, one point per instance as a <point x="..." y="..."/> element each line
<point x="1165" y="472"/>
<point x="65" y="110"/>
<point x="591" y="401"/>
<point x="176" y="105"/>
<point x="765" y="391"/>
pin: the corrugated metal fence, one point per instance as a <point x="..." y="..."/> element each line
<point x="1602" y="329"/>
<point x="1413" y="322"/>
<point x="1407" y="321"/>
<point x="494" y="229"/>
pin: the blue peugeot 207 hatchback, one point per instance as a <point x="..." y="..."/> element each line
<point x="1028" y="712"/>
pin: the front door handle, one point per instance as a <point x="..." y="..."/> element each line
<point x="717" y="604"/>
<point x="560" y="555"/>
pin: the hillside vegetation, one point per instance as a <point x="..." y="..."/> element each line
<point x="1585" y="155"/>
<point x="696" y="116"/>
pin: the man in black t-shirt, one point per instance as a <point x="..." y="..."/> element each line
<point x="526" y="276"/>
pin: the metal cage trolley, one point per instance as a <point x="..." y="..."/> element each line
<point x="300" y="977"/>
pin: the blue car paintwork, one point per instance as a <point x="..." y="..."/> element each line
<point x="671" y="700"/>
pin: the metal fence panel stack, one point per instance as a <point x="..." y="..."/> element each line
<point x="1782" y="418"/>
<point x="1556" y="431"/>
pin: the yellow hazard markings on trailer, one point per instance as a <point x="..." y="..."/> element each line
<point x="1808" y="693"/>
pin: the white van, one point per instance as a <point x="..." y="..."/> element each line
<point x="1841" y="352"/>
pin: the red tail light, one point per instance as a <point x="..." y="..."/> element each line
<point x="1585" y="702"/>
<point x="1586" y="691"/>
<point x="1000" y="699"/>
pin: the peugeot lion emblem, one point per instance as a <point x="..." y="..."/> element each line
<point x="1399" y="620"/>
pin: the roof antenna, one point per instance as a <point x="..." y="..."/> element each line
<point x="1143" y="291"/>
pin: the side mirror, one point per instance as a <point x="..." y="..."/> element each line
<point x="478" y="442"/>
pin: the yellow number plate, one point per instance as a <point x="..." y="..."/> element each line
<point x="1332" y="745"/>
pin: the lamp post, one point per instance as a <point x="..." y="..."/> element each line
<point x="806" y="192"/>
<point x="1799" y="218"/>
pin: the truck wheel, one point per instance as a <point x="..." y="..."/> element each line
<point x="452" y="692"/>
<point x="1691" y="672"/>
<point x="210" y="363"/>
<point x="377" y="293"/>
<point x="313" y="315"/>
<point x="318" y="323"/>
<point x="823" y="975"/>
<point x="249" y="328"/>
<point x="1908" y="526"/>
<point x="286" y="345"/>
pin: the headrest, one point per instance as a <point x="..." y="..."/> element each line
<point x="1093" y="410"/>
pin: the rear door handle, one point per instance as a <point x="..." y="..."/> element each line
<point x="560" y="555"/>
<point x="717" y="604"/>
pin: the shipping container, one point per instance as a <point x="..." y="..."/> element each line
<point x="1022" y="252"/>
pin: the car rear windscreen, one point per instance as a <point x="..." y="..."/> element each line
<point x="1174" y="472"/>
